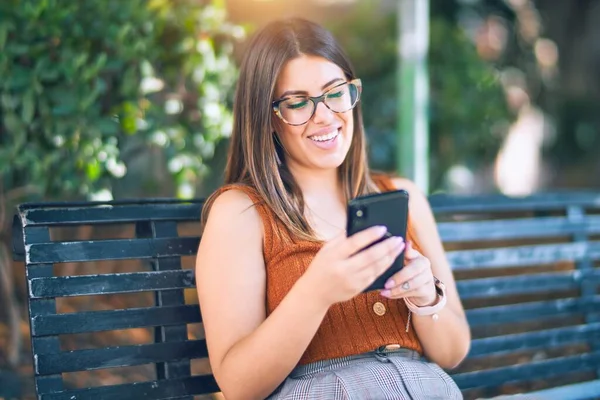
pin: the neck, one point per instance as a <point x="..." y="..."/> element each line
<point x="318" y="185"/>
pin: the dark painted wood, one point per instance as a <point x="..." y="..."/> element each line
<point x="578" y="391"/>
<point x="525" y="284"/>
<point x="512" y="229"/>
<point x="535" y="310"/>
<point x="584" y="265"/>
<point x="166" y="298"/>
<point x="48" y="345"/>
<point x="545" y="369"/>
<point x="155" y="390"/>
<point x="493" y="203"/>
<point x="548" y="338"/>
<point x="105" y="204"/>
<point x="122" y="356"/>
<point x="18" y="246"/>
<point x="103" y="213"/>
<point x="95" y="321"/>
<point x="132" y="282"/>
<point x="521" y="256"/>
<point x="113" y="249"/>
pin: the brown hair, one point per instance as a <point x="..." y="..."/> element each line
<point x="254" y="149"/>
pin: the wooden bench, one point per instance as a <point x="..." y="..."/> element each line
<point x="113" y="311"/>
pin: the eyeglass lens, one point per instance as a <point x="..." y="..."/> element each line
<point x="299" y="109"/>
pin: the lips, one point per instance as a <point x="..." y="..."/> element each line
<point x="326" y="139"/>
<point x="325" y="135"/>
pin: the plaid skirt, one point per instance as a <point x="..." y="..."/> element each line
<point x="381" y="374"/>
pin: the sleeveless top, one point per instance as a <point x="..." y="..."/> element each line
<point x="359" y="325"/>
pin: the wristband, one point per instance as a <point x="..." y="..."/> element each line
<point x="430" y="310"/>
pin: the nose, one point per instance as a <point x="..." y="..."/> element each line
<point x="322" y="114"/>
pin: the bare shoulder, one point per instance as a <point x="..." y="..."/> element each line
<point x="232" y="210"/>
<point x="233" y="200"/>
<point x="233" y="222"/>
<point x="406" y="184"/>
<point x="417" y="199"/>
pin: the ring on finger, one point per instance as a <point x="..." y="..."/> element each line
<point x="406" y="285"/>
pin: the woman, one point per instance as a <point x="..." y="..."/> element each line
<point x="279" y="283"/>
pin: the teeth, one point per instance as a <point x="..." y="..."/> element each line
<point x="324" y="138"/>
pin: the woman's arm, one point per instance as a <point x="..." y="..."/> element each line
<point x="249" y="354"/>
<point x="446" y="341"/>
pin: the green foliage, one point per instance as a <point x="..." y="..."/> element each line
<point x="469" y="112"/>
<point x="466" y="99"/>
<point x="87" y="84"/>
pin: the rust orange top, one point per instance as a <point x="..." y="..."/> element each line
<point x="356" y="326"/>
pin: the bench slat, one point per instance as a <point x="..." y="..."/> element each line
<point x="526" y="372"/>
<point x="531" y="310"/>
<point x="161" y="389"/>
<point x="95" y="321"/>
<point x="122" y="356"/>
<point x="457" y="204"/>
<point x="534" y="340"/>
<point x="115" y="212"/>
<point x="543" y="227"/>
<point x="534" y="283"/>
<point x="133" y="282"/>
<point x="521" y="256"/>
<point x="578" y="391"/>
<point x="113" y="249"/>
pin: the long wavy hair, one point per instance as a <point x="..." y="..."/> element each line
<point x="256" y="158"/>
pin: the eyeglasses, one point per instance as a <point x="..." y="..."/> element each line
<point x="298" y="110"/>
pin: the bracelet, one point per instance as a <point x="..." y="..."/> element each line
<point x="434" y="309"/>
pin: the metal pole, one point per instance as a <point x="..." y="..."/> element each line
<point x="412" y="155"/>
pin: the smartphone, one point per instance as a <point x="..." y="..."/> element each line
<point x="389" y="209"/>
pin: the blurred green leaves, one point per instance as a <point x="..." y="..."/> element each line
<point x="466" y="97"/>
<point x="82" y="81"/>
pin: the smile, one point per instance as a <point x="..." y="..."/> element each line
<point x="326" y="137"/>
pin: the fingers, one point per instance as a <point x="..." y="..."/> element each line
<point x="380" y="256"/>
<point x="362" y="239"/>
<point x="411" y="253"/>
<point x="414" y="266"/>
<point x="419" y="286"/>
<point x="415" y="274"/>
<point x="414" y="280"/>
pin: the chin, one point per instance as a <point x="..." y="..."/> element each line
<point x="329" y="163"/>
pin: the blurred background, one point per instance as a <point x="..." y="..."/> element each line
<point x="124" y="99"/>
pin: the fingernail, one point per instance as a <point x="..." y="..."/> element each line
<point x="389" y="284"/>
<point x="385" y="293"/>
<point x="381" y="229"/>
<point x="399" y="240"/>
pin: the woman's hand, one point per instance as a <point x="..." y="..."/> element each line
<point x="340" y="270"/>
<point x="414" y="281"/>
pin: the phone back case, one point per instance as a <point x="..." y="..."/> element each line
<point x="389" y="209"/>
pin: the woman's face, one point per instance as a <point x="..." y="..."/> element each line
<point x="323" y="142"/>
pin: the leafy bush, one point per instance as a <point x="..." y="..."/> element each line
<point x="89" y="85"/>
<point x="466" y="98"/>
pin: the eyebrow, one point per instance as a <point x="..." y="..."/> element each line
<point x="305" y="93"/>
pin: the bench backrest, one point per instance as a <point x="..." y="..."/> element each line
<point x="154" y="237"/>
<point x="528" y="276"/>
<point x="526" y="268"/>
